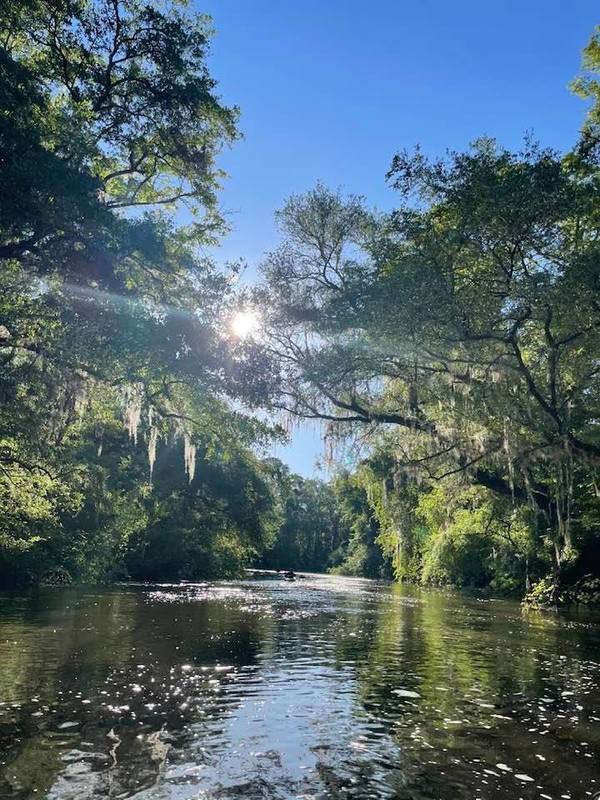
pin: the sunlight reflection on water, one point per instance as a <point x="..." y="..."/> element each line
<point x="326" y="687"/>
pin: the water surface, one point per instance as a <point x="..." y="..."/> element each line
<point x="323" y="688"/>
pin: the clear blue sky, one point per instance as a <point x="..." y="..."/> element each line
<point x="330" y="89"/>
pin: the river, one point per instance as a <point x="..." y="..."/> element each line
<point x="322" y="688"/>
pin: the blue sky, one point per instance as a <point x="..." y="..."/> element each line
<point x="330" y="90"/>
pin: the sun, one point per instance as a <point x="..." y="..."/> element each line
<point x="245" y="323"/>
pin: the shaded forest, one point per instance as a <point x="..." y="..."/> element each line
<point x="449" y="348"/>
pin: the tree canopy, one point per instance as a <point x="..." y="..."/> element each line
<point x="119" y="441"/>
<point x="454" y="340"/>
<point x="459" y="334"/>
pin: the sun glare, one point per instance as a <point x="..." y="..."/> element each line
<point x="245" y="323"/>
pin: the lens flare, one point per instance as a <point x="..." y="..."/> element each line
<point x="245" y="323"/>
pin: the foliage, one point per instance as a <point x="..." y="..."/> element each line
<point x="309" y="528"/>
<point x="587" y="86"/>
<point x="457" y="338"/>
<point x="113" y="357"/>
<point x="216" y="525"/>
<point x="475" y="539"/>
<point x="360" y="553"/>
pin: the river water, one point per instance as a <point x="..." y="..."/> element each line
<point x="322" y="688"/>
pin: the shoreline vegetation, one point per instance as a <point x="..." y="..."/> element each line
<point x="449" y="349"/>
<point x="584" y="593"/>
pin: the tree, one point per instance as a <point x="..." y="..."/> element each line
<point x="309" y="529"/>
<point x="361" y="552"/>
<point x="587" y="86"/>
<point x="215" y="525"/>
<point x="112" y="320"/>
<point x="468" y="319"/>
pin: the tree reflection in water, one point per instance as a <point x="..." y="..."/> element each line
<point x="324" y="688"/>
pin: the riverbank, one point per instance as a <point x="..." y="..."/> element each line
<point x="583" y="592"/>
